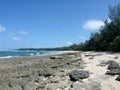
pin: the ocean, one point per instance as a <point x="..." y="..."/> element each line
<point x="26" y="53"/>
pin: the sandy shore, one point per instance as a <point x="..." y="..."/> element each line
<point x="107" y="82"/>
<point x="52" y="72"/>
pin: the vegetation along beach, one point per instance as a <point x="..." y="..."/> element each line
<point x="60" y="45"/>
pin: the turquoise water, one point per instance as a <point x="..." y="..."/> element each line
<point x="24" y="53"/>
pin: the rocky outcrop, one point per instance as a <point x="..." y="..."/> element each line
<point x="38" y="73"/>
<point x="113" y="72"/>
<point x="78" y="74"/>
<point x="113" y="68"/>
<point x="113" y="65"/>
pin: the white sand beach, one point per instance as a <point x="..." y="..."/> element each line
<point x="97" y="73"/>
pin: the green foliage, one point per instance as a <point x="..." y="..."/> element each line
<point x="115" y="45"/>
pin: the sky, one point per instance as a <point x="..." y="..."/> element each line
<point x="50" y="23"/>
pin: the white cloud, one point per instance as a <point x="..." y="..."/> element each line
<point x="93" y="25"/>
<point x="16" y="38"/>
<point x="69" y="43"/>
<point x="2" y="28"/>
<point x="23" y="32"/>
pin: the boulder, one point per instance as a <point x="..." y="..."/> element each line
<point x="114" y="68"/>
<point x="113" y="72"/>
<point x="78" y="74"/>
<point x="118" y="78"/>
<point x="113" y="65"/>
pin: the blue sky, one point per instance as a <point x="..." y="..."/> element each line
<point x="50" y="23"/>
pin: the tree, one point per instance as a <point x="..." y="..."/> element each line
<point x="115" y="45"/>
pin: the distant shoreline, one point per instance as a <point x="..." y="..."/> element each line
<point x="16" y="54"/>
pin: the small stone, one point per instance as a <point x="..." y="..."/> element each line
<point x="62" y="70"/>
<point x="91" y="57"/>
<point x="116" y="57"/>
<point x="56" y="57"/>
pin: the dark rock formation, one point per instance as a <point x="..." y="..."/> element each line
<point x="116" y="57"/>
<point x="113" y="65"/>
<point x="113" y="72"/>
<point x="118" y="78"/>
<point x="56" y="57"/>
<point x="114" y="68"/>
<point x="78" y="74"/>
